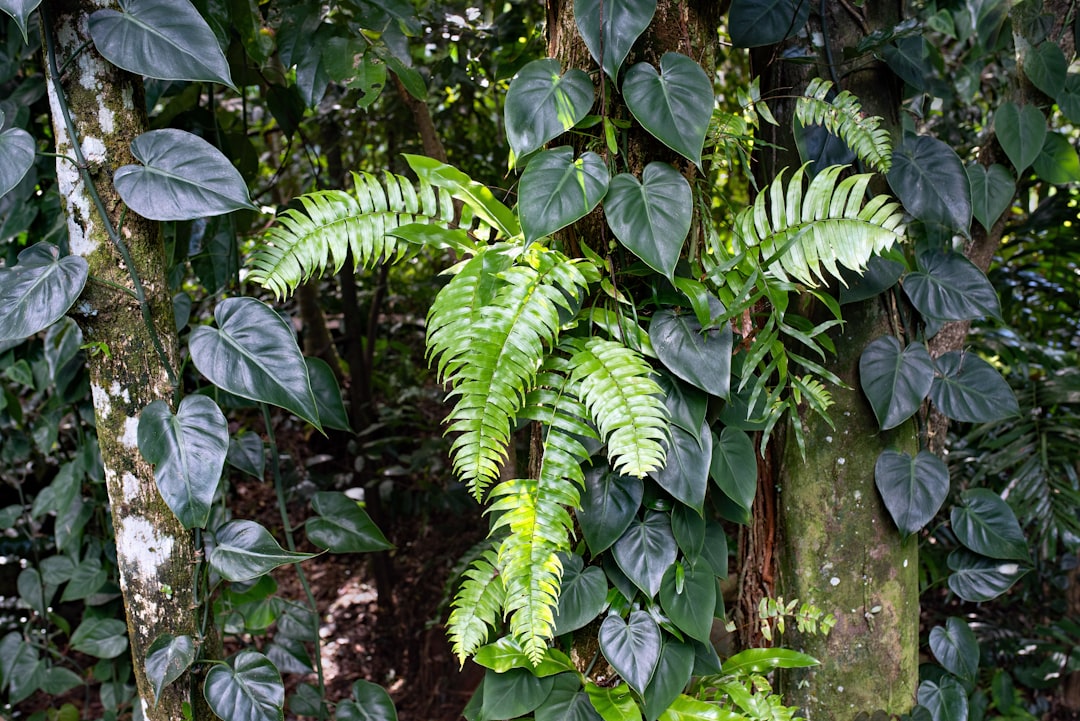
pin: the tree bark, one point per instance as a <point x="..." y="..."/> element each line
<point x="155" y="553"/>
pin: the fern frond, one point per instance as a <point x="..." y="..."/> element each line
<point x="477" y="605"/>
<point x="491" y="363"/>
<point x="805" y="236"/>
<point x="303" y="244"/>
<point x="843" y="117"/>
<point x="624" y="401"/>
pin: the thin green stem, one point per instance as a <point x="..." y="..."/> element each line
<point x="114" y="286"/>
<point x="61" y="156"/>
<point x="73" y="58"/>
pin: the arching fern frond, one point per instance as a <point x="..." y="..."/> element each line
<point x="805" y="236"/>
<point x="477" y="606"/>
<point x="624" y="401"/>
<point x="842" y="116"/>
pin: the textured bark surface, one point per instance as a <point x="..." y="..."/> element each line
<point x="154" y="551"/>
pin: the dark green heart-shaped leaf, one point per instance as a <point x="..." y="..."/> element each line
<point x="686" y="474"/>
<point x="753" y="23"/>
<point x="646" y="550"/>
<point x="946" y="699"/>
<point x="734" y="466"/>
<point x="16" y="156"/>
<point x="686" y="405"/>
<point x="880" y="275"/>
<point x="513" y="693"/>
<point x="763" y="660"/>
<point x="163" y="39"/>
<point x="715" y="549"/>
<point x="245" y="550"/>
<point x="674" y="105"/>
<point x="688" y="527"/>
<point x="632" y="647"/>
<point x="992" y="191"/>
<point x="907" y="57"/>
<point x="167" y="659"/>
<point x="324" y="387"/>
<point x="611" y="27"/>
<point x="977" y="578"/>
<point x="651" y="218"/>
<point x="970" y="389"/>
<point x="691" y="606"/>
<point x="1021" y="132"/>
<point x="20" y="11"/>
<point x="253" y="354"/>
<point x="583" y="594"/>
<point x="248" y="688"/>
<point x="567" y="702"/>
<point x="342" y="526"/>
<point x="188" y="453"/>
<point x="21" y="669"/>
<point x="247" y="454"/>
<point x="987" y="525"/>
<point x="542" y="104"/>
<point x="101" y="637"/>
<point x="556" y="189"/>
<point x="930" y="181"/>
<point x="1045" y="67"/>
<point x="38" y="290"/>
<point x="673" y="672"/>
<point x="182" y="177"/>
<point x="948" y="286"/>
<point x="702" y="359"/>
<point x="956" y="648"/>
<point x="1069" y="98"/>
<point x="1057" y="162"/>
<point x="895" y="381"/>
<point x="913" y="489"/>
<point x="609" y="503"/>
<point x="370" y="702"/>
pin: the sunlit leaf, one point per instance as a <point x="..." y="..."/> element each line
<point x="557" y="189"/>
<point x="542" y="103"/>
<point x="674" y="105"/>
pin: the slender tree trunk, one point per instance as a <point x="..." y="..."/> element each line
<point x="155" y="553"/>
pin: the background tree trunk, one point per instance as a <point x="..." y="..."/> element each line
<point x="155" y="553"/>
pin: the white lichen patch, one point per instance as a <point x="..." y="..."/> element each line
<point x="142" y="551"/>
<point x="106" y="119"/>
<point x="102" y="401"/>
<point x="94" y="150"/>
<point x="130" y="437"/>
<point x="834" y="581"/>
<point x="841" y="461"/>
<point x="130" y="487"/>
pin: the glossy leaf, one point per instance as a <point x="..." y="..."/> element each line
<point x="651" y="218"/>
<point x="895" y="380"/>
<point x="948" y="286"/>
<point x="247" y="453"/>
<point x="17" y="151"/>
<point x="1069" y="98"/>
<point x="992" y="191"/>
<point x="702" y="359"/>
<point x="167" y="659"/>
<point x="907" y="57"/>
<point x="21" y="669"/>
<point x="542" y="103"/>
<point x="691" y="606"/>
<point x="38" y="290"/>
<point x="613" y="704"/>
<point x="688" y="708"/>
<point x="686" y="474"/>
<point x="567" y="702"/>
<point x="324" y="387"/>
<point x="880" y="275"/>
<point x="582" y="597"/>
<point x="1046" y="67"/>
<point x="245" y="550"/>
<point x="608" y="505"/>
<point x="100" y="637"/>
<point x="956" y="648"/>
<point x="913" y="489"/>
<point x="673" y="672"/>
<point x="763" y="660"/>
<point x="688" y="527"/>
<point x="342" y="526"/>
<point x="646" y="550"/>
<point x="513" y="693"/>
<point x="734" y="466"/>
<point x="715" y="549"/>
<point x="248" y="688"/>
<point x="253" y="354"/>
<point x="987" y="525"/>
<point x="1021" y="132"/>
<point x="557" y="189"/>
<point x="946" y="699"/>
<point x="20" y="11"/>
<point x="182" y="177"/>
<point x="506" y="653"/>
<point x="686" y="405"/>
<point x="977" y="578"/>
<point x="970" y="389"/>
<point x="674" y="105"/>
<point x="753" y="23"/>
<point x="1057" y="162"/>
<point x="930" y="181"/>
<point x="611" y="27"/>
<point x="632" y="647"/>
<point x="163" y="39"/>
<point x="369" y="702"/>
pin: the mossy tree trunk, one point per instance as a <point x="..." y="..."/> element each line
<point x="155" y="553"/>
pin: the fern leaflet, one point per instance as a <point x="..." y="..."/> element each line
<point x="842" y="116"/>
<point x="477" y="605"/>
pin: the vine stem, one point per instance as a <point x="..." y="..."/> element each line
<point x="88" y="181"/>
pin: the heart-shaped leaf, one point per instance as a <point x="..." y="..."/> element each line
<point x="100" y="637"/>
<point x="611" y="27"/>
<point x="992" y="191"/>
<point x="930" y="181"/>
<point x="948" y="286"/>
<point x="715" y="549"/>
<point x="956" y="648"/>
<point x="646" y="550"/>
<point x="686" y="405"/>
<point x="167" y="659"/>
<point x="20" y="11"/>
<point x="556" y="189"/>
<point x="369" y="702"/>
<point x="632" y="647"/>
<point x="651" y="218"/>
<point x="342" y="526"/>
<point x="188" y="453"/>
<point x="946" y="699"/>
<point x="609" y="503"/>
<point x="567" y="702"/>
<point x="734" y="466"/>
<point x="880" y="275"/>
<point x="690" y="607"/>
<point x="324" y="387"/>
<point x="248" y="688"/>
<point x="895" y="380"/>
<point x="970" y="389"/>
<point x="245" y="550"/>
<point x="689" y="530"/>
<point x="686" y="474"/>
<point x="673" y="672"/>
<point x="542" y="104"/>
<point x="1057" y="162"/>
<point x="702" y="359"/>
<point x="907" y="57"/>
<point x="1021" y="132"/>
<point x="583" y="594"/>
<point x="1045" y="67"/>
<point x="182" y="177"/>
<point x="753" y="23"/>
<point x="253" y="354"/>
<point x="247" y="454"/>
<point x="913" y="489"/>
<point x="977" y="578"/>
<point x="16" y="156"/>
<point x="1069" y="98"/>
<point x="987" y="525"/>
<point x="674" y="105"/>
<point x="38" y="290"/>
<point x="513" y="693"/>
<point x="163" y="39"/>
<point x="613" y="704"/>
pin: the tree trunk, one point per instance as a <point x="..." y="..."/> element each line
<point x="155" y="553"/>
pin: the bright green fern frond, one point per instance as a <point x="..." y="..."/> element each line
<point x="624" y="401"/>
<point x="303" y="244"/>
<point x="842" y="116"/>
<point x="805" y="236"/>
<point x="477" y="606"/>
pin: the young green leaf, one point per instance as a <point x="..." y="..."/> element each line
<point x="1057" y="162"/>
